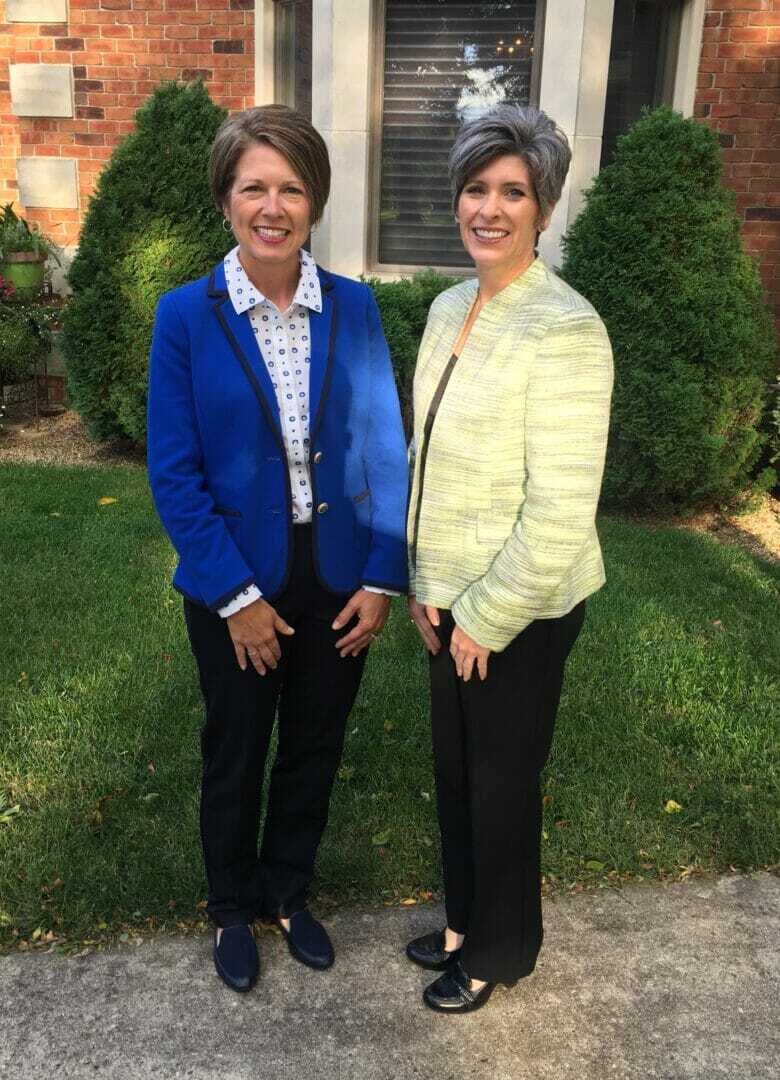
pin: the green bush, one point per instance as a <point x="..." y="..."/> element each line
<point x="25" y="337"/>
<point x="151" y="226"/>
<point x="404" y="306"/>
<point x="657" y="251"/>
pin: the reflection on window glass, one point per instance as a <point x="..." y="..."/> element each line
<point x="293" y="54"/>
<point x="445" y="62"/>
<point x="636" y="62"/>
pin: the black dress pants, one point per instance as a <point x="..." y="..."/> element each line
<point x="491" y="740"/>
<point x="312" y="690"/>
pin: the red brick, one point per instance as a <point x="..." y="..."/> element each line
<point x="89" y="112"/>
<point x="741" y="5"/>
<point x="747" y="67"/>
<point x="766" y="18"/>
<point x="726" y="109"/>
<point x="82" y="139"/>
<point x="748" y="33"/>
<point x="181" y="33"/>
<point x="116" y="5"/>
<point x="54" y="30"/>
<point x="117" y="32"/>
<point x="731" y="52"/>
<point x="750" y="169"/>
<point x="736" y="154"/>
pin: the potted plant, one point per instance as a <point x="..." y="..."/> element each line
<point x="23" y="253"/>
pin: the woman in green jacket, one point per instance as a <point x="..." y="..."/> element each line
<point x="511" y="406"/>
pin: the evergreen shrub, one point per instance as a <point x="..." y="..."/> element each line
<point x="151" y="226"/>
<point x="657" y="251"/>
<point x="404" y="306"/>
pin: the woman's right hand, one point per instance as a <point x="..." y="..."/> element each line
<point x="253" y="631"/>
<point x="425" y="618"/>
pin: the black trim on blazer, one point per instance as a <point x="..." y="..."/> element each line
<point x="211" y="289"/>
<point x="223" y="600"/>
<point x="250" y="374"/>
<point x="313" y="433"/>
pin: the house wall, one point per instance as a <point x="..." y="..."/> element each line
<point x="118" y="51"/>
<point x="737" y="96"/>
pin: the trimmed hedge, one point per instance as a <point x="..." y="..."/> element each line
<point x="404" y="306"/>
<point x="657" y="251"/>
<point x="151" y="226"/>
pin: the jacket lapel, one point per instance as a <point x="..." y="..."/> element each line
<point x="241" y="337"/>
<point x="323" y="332"/>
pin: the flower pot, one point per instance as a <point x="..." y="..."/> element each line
<point x="24" y="270"/>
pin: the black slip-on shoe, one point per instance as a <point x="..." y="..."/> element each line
<point x="236" y="959"/>
<point x="450" y="993"/>
<point x="308" y="941"/>
<point x="428" y="952"/>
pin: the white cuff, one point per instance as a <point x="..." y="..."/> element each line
<point x="382" y="592"/>
<point x="244" y="599"/>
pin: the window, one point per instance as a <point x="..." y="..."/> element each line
<point x="292" y="62"/>
<point x="444" y="61"/>
<point x="642" y="60"/>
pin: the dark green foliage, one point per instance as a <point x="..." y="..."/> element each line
<point x="657" y="251"/>
<point x="404" y="306"/>
<point x="25" y="337"/>
<point x="151" y="226"/>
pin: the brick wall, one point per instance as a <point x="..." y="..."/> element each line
<point x="738" y="94"/>
<point x="120" y="50"/>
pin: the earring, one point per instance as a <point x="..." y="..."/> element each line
<point x="226" y="225"/>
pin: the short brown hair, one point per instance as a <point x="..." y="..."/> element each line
<point x="288" y="132"/>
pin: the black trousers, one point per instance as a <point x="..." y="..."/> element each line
<point x="312" y="690"/>
<point x="491" y="740"/>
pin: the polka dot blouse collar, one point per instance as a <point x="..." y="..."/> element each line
<point x="244" y="295"/>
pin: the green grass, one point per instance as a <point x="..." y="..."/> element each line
<point x="672" y="693"/>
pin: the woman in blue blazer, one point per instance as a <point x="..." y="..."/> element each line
<point x="278" y="468"/>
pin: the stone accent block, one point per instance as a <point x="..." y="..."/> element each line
<point x="41" y="89"/>
<point x="48" y="182"/>
<point x="36" y="11"/>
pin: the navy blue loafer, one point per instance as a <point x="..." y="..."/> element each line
<point x="235" y="958"/>
<point x="308" y="941"/>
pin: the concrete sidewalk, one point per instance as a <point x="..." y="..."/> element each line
<point x="667" y="982"/>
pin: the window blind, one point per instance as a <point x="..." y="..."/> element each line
<point x="445" y="61"/>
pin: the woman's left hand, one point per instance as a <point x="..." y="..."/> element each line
<point x="465" y="651"/>
<point x="372" y="610"/>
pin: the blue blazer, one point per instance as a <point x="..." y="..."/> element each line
<point x="217" y="464"/>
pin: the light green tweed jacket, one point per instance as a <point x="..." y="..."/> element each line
<point x="501" y="519"/>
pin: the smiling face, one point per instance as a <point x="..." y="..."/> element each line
<point x="268" y="209"/>
<point x="499" y="217"/>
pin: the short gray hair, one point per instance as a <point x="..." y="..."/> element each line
<point x="513" y="129"/>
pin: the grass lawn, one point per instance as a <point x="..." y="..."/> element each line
<point x="672" y="694"/>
